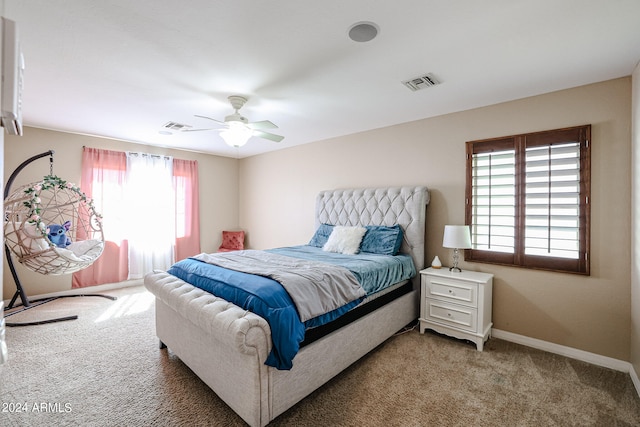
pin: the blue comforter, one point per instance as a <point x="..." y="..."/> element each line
<point x="268" y="299"/>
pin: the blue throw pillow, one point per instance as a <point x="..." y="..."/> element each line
<point x="321" y="235"/>
<point x="382" y="240"/>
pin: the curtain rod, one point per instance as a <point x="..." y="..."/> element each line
<point x="135" y="153"/>
<point x="157" y="156"/>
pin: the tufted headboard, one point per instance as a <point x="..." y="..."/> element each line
<point x="379" y="206"/>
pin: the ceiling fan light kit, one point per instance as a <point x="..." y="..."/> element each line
<point x="237" y="135"/>
<point x="237" y="129"/>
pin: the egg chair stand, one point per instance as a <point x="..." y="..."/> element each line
<point x="25" y="217"/>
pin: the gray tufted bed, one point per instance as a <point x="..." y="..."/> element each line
<point x="227" y="346"/>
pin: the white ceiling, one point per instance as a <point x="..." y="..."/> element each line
<point x="124" y="68"/>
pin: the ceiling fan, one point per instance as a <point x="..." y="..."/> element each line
<point x="236" y="129"/>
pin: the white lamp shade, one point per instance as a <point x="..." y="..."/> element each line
<point x="457" y="237"/>
<point x="236" y="135"/>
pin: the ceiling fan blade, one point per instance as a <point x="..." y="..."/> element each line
<point x="198" y="130"/>
<point x="264" y="124"/>
<point x="269" y="136"/>
<point x="209" y="118"/>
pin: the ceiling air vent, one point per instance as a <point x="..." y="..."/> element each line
<point x="421" y="82"/>
<point x="175" y="126"/>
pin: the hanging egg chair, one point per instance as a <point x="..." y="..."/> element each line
<point x="32" y="210"/>
<point x="52" y="228"/>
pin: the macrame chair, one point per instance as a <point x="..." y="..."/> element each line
<point x="29" y="210"/>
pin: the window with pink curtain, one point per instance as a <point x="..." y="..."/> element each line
<point x="103" y="175"/>
<point x="103" y="180"/>
<point x="185" y="183"/>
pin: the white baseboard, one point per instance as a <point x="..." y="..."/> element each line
<point x="634" y="378"/>
<point x="585" y="356"/>
<point x="83" y="291"/>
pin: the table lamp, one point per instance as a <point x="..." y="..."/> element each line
<point x="456" y="237"/>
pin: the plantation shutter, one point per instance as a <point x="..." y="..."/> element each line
<point x="527" y="200"/>
<point x="494" y="193"/>
<point x="552" y="215"/>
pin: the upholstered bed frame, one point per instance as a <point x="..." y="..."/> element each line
<point x="226" y="346"/>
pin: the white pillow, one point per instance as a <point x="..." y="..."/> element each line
<point x="345" y="240"/>
<point x="81" y="251"/>
<point x="29" y="235"/>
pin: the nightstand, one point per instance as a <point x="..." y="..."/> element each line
<point x="456" y="304"/>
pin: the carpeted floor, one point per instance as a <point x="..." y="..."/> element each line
<point x="105" y="369"/>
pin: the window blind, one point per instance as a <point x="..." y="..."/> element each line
<point x="493" y="200"/>
<point x="552" y="200"/>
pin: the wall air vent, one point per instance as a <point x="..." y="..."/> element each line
<point x="424" y="81"/>
<point x="175" y="126"/>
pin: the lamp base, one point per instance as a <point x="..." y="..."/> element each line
<point x="456" y="258"/>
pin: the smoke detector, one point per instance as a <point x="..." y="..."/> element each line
<point x="363" y="32"/>
<point x="421" y="82"/>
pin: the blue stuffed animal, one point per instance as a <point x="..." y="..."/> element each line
<point x="58" y="234"/>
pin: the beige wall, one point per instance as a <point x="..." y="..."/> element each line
<point x="635" y="224"/>
<point x="218" y="188"/>
<point x="277" y="196"/>
<point x="272" y="197"/>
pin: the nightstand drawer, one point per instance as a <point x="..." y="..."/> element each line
<point x="454" y="291"/>
<point x="452" y="315"/>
